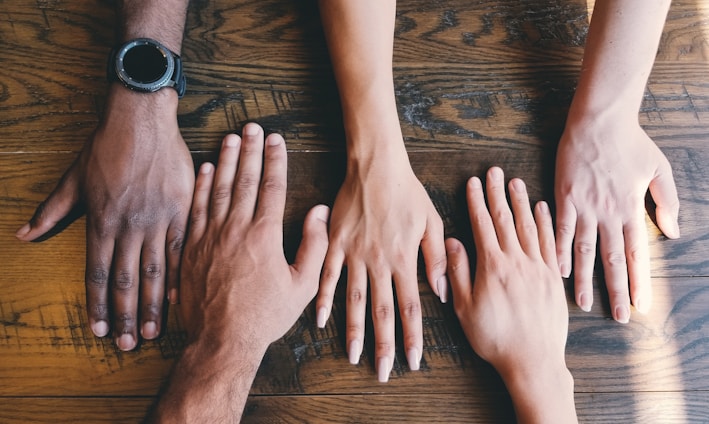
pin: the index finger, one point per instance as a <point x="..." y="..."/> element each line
<point x="272" y="192"/>
<point x="480" y="220"/>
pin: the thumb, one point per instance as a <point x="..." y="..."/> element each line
<point x="313" y="248"/>
<point x="459" y="275"/>
<point x="664" y="193"/>
<point x="55" y="207"/>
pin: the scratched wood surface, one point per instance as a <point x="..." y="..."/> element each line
<point x="478" y="83"/>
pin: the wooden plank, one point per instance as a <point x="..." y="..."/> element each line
<point x="47" y="350"/>
<point x="472" y="94"/>
<point x="423" y="407"/>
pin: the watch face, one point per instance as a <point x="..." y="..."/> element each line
<point x="145" y="65"/>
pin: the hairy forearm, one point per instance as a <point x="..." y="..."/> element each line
<point x="620" y="51"/>
<point x="360" y="36"/>
<point x="209" y="384"/>
<point x="162" y="20"/>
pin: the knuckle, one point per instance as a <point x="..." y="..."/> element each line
<point x="584" y="248"/>
<point x="565" y="229"/>
<point x="198" y="214"/>
<point x="124" y="281"/>
<point x="247" y="182"/>
<point x="636" y="254"/>
<point x="99" y="311"/>
<point x="151" y="311"/>
<point x="97" y="278"/>
<point x="616" y="258"/>
<point x="329" y="274"/>
<point x="383" y="312"/>
<point x="152" y="271"/>
<point x="177" y="242"/>
<point x="221" y="193"/>
<point x="273" y="185"/>
<point x="355" y="297"/>
<point x="411" y="310"/>
<point x="125" y="322"/>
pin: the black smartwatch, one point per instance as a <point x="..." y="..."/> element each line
<point x="145" y="65"/>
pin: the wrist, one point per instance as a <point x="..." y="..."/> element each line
<point x="162" y="103"/>
<point x="542" y="394"/>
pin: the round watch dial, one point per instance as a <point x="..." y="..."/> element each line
<point x="145" y="65"/>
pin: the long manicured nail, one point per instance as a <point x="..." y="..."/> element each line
<point x="641" y="306"/>
<point x="99" y="328"/>
<point x="383" y="369"/>
<point x="125" y="342"/>
<point x="322" y="317"/>
<point x="149" y="330"/>
<point x="24" y="230"/>
<point x="412" y="357"/>
<point x="622" y="314"/>
<point x="585" y="302"/>
<point x="442" y="285"/>
<point x="354" y="352"/>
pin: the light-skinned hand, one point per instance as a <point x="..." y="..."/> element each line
<point x="603" y="172"/>
<point x="381" y="215"/>
<point x="515" y="314"/>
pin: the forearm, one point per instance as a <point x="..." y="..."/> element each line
<point x="360" y="36"/>
<point x="620" y="50"/>
<point x="543" y="395"/>
<point x="163" y="21"/>
<point x="209" y="385"/>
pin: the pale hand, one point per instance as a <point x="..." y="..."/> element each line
<point x="603" y="172"/>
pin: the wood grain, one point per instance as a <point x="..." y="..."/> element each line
<point x="478" y="84"/>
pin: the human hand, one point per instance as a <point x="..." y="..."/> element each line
<point x="237" y="287"/>
<point x="381" y="215"/>
<point x="515" y="314"/>
<point x="603" y="171"/>
<point x="135" y="179"/>
<point x="238" y="292"/>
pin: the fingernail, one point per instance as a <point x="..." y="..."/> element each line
<point x="231" y="140"/>
<point x="100" y="328"/>
<point x="322" y="213"/>
<point x="412" y="357"/>
<point x="125" y="342"/>
<point x="544" y="207"/>
<point x="206" y="168"/>
<point x="622" y="314"/>
<point x="322" y="317"/>
<point x="675" y="230"/>
<point x="251" y="129"/>
<point x="355" y="352"/>
<point x="585" y="302"/>
<point x="149" y="330"/>
<point x="24" y="230"/>
<point x="172" y="296"/>
<point x="274" y="140"/>
<point x="495" y="173"/>
<point x="442" y="285"/>
<point x="640" y="305"/>
<point x="565" y="270"/>
<point x="475" y="182"/>
<point x="518" y="185"/>
<point x="383" y="369"/>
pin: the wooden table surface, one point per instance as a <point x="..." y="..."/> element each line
<point x="478" y="83"/>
